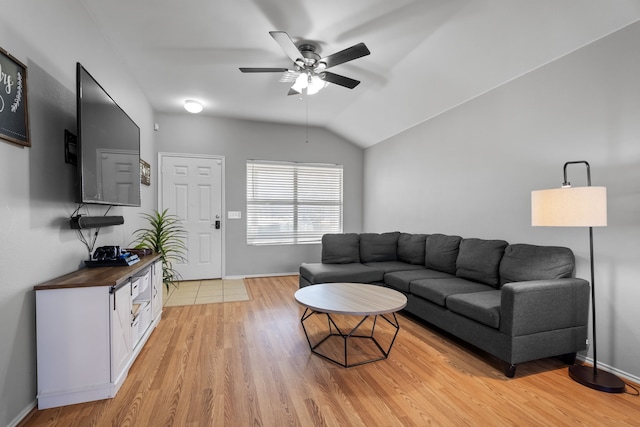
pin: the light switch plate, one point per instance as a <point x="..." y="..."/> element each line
<point x="234" y="215"/>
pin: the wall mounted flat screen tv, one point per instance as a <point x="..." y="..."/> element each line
<point x="108" y="147"/>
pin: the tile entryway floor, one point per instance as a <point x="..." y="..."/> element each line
<point x="206" y="292"/>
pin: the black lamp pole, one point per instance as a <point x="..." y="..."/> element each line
<point x="585" y="375"/>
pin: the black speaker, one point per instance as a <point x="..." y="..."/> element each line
<point x="80" y="222"/>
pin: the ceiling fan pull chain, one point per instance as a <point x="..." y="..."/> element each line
<point x="307" y="118"/>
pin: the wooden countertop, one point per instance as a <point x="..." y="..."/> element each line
<point x="98" y="276"/>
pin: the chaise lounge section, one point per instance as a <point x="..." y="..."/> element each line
<point x="518" y="302"/>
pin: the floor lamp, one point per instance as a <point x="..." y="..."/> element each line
<point x="578" y="207"/>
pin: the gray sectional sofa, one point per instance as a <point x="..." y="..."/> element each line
<point x="518" y="302"/>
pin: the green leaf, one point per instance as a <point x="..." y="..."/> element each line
<point x="164" y="235"/>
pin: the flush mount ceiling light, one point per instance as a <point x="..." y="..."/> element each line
<point x="192" y="106"/>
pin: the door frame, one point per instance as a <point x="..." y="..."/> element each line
<point x="161" y="156"/>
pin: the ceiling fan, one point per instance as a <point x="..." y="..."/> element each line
<point x="309" y="69"/>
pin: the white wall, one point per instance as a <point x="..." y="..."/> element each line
<point x="470" y="171"/>
<point x="239" y="141"/>
<point x="37" y="187"/>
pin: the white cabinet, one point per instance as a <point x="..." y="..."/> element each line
<point x="72" y="328"/>
<point x="120" y="321"/>
<point x="85" y="331"/>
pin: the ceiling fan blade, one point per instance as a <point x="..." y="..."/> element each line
<point x="356" y="51"/>
<point x="292" y="15"/>
<point x="289" y="76"/>
<point x="263" y="70"/>
<point x="340" y="80"/>
<point x="286" y="44"/>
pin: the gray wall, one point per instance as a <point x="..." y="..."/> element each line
<point x="470" y="171"/>
<point x="239" y="141"/>
<point x="37" y="187"/>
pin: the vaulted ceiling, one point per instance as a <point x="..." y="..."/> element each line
<point x="427" y="56"/>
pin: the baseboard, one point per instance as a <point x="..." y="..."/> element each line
<point x="250" y="276"/>
<point x="22" y="416"/>
<point x="605" y="367"/>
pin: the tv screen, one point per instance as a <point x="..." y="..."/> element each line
<point x="108" y="147"/>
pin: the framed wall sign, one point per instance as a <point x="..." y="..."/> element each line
<point x="145" y="172"/>
<point x="14" y="115"/>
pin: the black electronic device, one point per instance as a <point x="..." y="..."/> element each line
<point x="80" y="222"/>
<point x="106" y="252"/>
<point x="111" y="256"/>
<point x="108" y="147"/>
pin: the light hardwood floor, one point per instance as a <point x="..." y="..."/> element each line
<point x="248" y="364"/>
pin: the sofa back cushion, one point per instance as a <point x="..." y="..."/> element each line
<point x="340" y="248"/>
<point x="411" y="248"/>
<point x="479" y="260"/>
<point x="379" y="247"/>
<point x="523" y="262"/>
<point x="441" y="252"/>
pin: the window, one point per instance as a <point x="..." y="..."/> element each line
<point x="292" y="203"/>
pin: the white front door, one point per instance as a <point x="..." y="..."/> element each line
<point x="191" y="188"/>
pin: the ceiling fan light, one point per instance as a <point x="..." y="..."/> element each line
<point x="300" y="83"/>
<point x="192" y="106"/>
<point x="315" y="85"/>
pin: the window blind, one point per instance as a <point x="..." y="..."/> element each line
<point x="292" y="203"/>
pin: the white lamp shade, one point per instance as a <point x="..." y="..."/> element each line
<point x="569" y="207"/>
<point x="301" y="83"/>
<point x="313" y="84"/>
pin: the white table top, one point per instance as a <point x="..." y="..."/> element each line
<point x="351" y="298"/>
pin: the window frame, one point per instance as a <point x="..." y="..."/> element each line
<point x="293" y="187"/>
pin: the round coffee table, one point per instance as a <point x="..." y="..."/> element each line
<point x="352" y="299"/>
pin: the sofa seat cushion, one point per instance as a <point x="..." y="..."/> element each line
<point x="483" y="307"/>
<point x="479" y="260"/>
<point x="437" y="290"/>
<point x="400" y="279"/>
<point x="390" y="266"/>
<point x="331" y="273"/>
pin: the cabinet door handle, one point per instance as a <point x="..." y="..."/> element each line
<point x="114" y="289"/>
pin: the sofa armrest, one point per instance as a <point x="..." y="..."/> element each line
<point x="543" y="305"/>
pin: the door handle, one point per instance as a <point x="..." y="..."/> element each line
<point x="217" y="224"/>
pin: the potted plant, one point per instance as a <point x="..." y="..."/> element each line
<point x="164" y="235"/>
